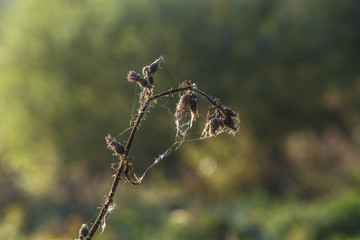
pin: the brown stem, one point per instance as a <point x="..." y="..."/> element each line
<point x="108" y="200"/>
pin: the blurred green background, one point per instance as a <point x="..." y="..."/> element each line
<point x="289" y="67"/>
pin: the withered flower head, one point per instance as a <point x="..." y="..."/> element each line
<point x="115" y="146"/>
<point x="213" y="126"/>
<point x="147" y="75"/>
<point x="228" y="122"/>
<point x="152" y="68"/>
<point x="133" y="76"/>
<point x="155" y="65"/>
<point x="83" y="231"/>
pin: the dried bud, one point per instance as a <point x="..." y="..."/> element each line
<point x="228" y="122"/>
<point x="133" y="76"/>
<point x="83" y="231"/>
<point x="229" y="113"/>
<point x="147" y="75"/>
<point x="213" y="126"/>
<point x="155" y="65"/>
<point x="113" y="145"/>
<point x="151" y="69"/>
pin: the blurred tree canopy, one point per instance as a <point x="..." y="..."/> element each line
<point x="289" y="67"/>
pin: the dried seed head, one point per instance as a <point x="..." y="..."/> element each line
<point x="147" y="75"/>
<point x="213" y="126"/>
<point x="155" y="65"/>
<point x="228" y="122"/>
<point x="83" y="231"/>
<point x="113" y="145"/>
<point x="133" y="76"/>
<point x="151" y="69"/>
<point x="229" y="113"/>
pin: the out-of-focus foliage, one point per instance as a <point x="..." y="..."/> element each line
<point x="289" y="67"/>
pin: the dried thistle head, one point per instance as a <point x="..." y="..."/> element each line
<point x="228" y="122"/>
<point x="229" y="118"/>
<point x="223" y="119"/>
<point x="133" y="76"/>
<point x="114" y="145"/>
<point x="147" y="75"/>
<point x="153" y="67"/>
<point x="213" y="126"/>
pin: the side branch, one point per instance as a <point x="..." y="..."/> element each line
<point x="191" y="88"/>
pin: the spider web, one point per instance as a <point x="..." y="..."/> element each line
<point x="182" y="131"/>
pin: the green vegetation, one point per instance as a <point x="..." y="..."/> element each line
<point x="290" y="68"/>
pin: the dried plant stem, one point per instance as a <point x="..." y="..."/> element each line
<point x="123" y="160"/>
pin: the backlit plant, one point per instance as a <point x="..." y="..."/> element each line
<point x="220" y="119"/>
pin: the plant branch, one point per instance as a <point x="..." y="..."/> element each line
<point x="122" y="152"/>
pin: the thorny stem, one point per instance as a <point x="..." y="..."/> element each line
<point x="123" y="159"/>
